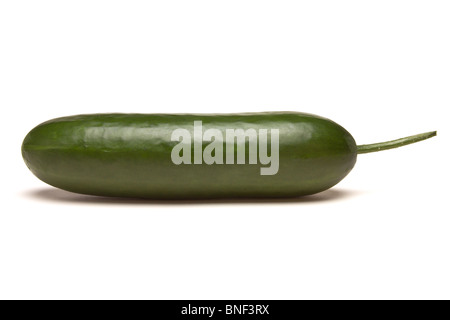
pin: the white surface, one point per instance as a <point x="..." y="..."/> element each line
<point x="379" y="68"/>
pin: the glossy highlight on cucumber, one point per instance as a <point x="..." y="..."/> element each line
<point x="132" y="155"/>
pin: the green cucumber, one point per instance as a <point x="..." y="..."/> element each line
<point x="194" y="156"/>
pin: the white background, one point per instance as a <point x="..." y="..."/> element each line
<point x="381" y="69"/>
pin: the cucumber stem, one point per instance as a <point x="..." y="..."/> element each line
<point x="374" y="147"/>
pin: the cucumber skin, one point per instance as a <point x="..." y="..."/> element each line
<point x="129" y="155"/>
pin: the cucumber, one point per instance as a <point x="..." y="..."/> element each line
<point x="192" y="156"/>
